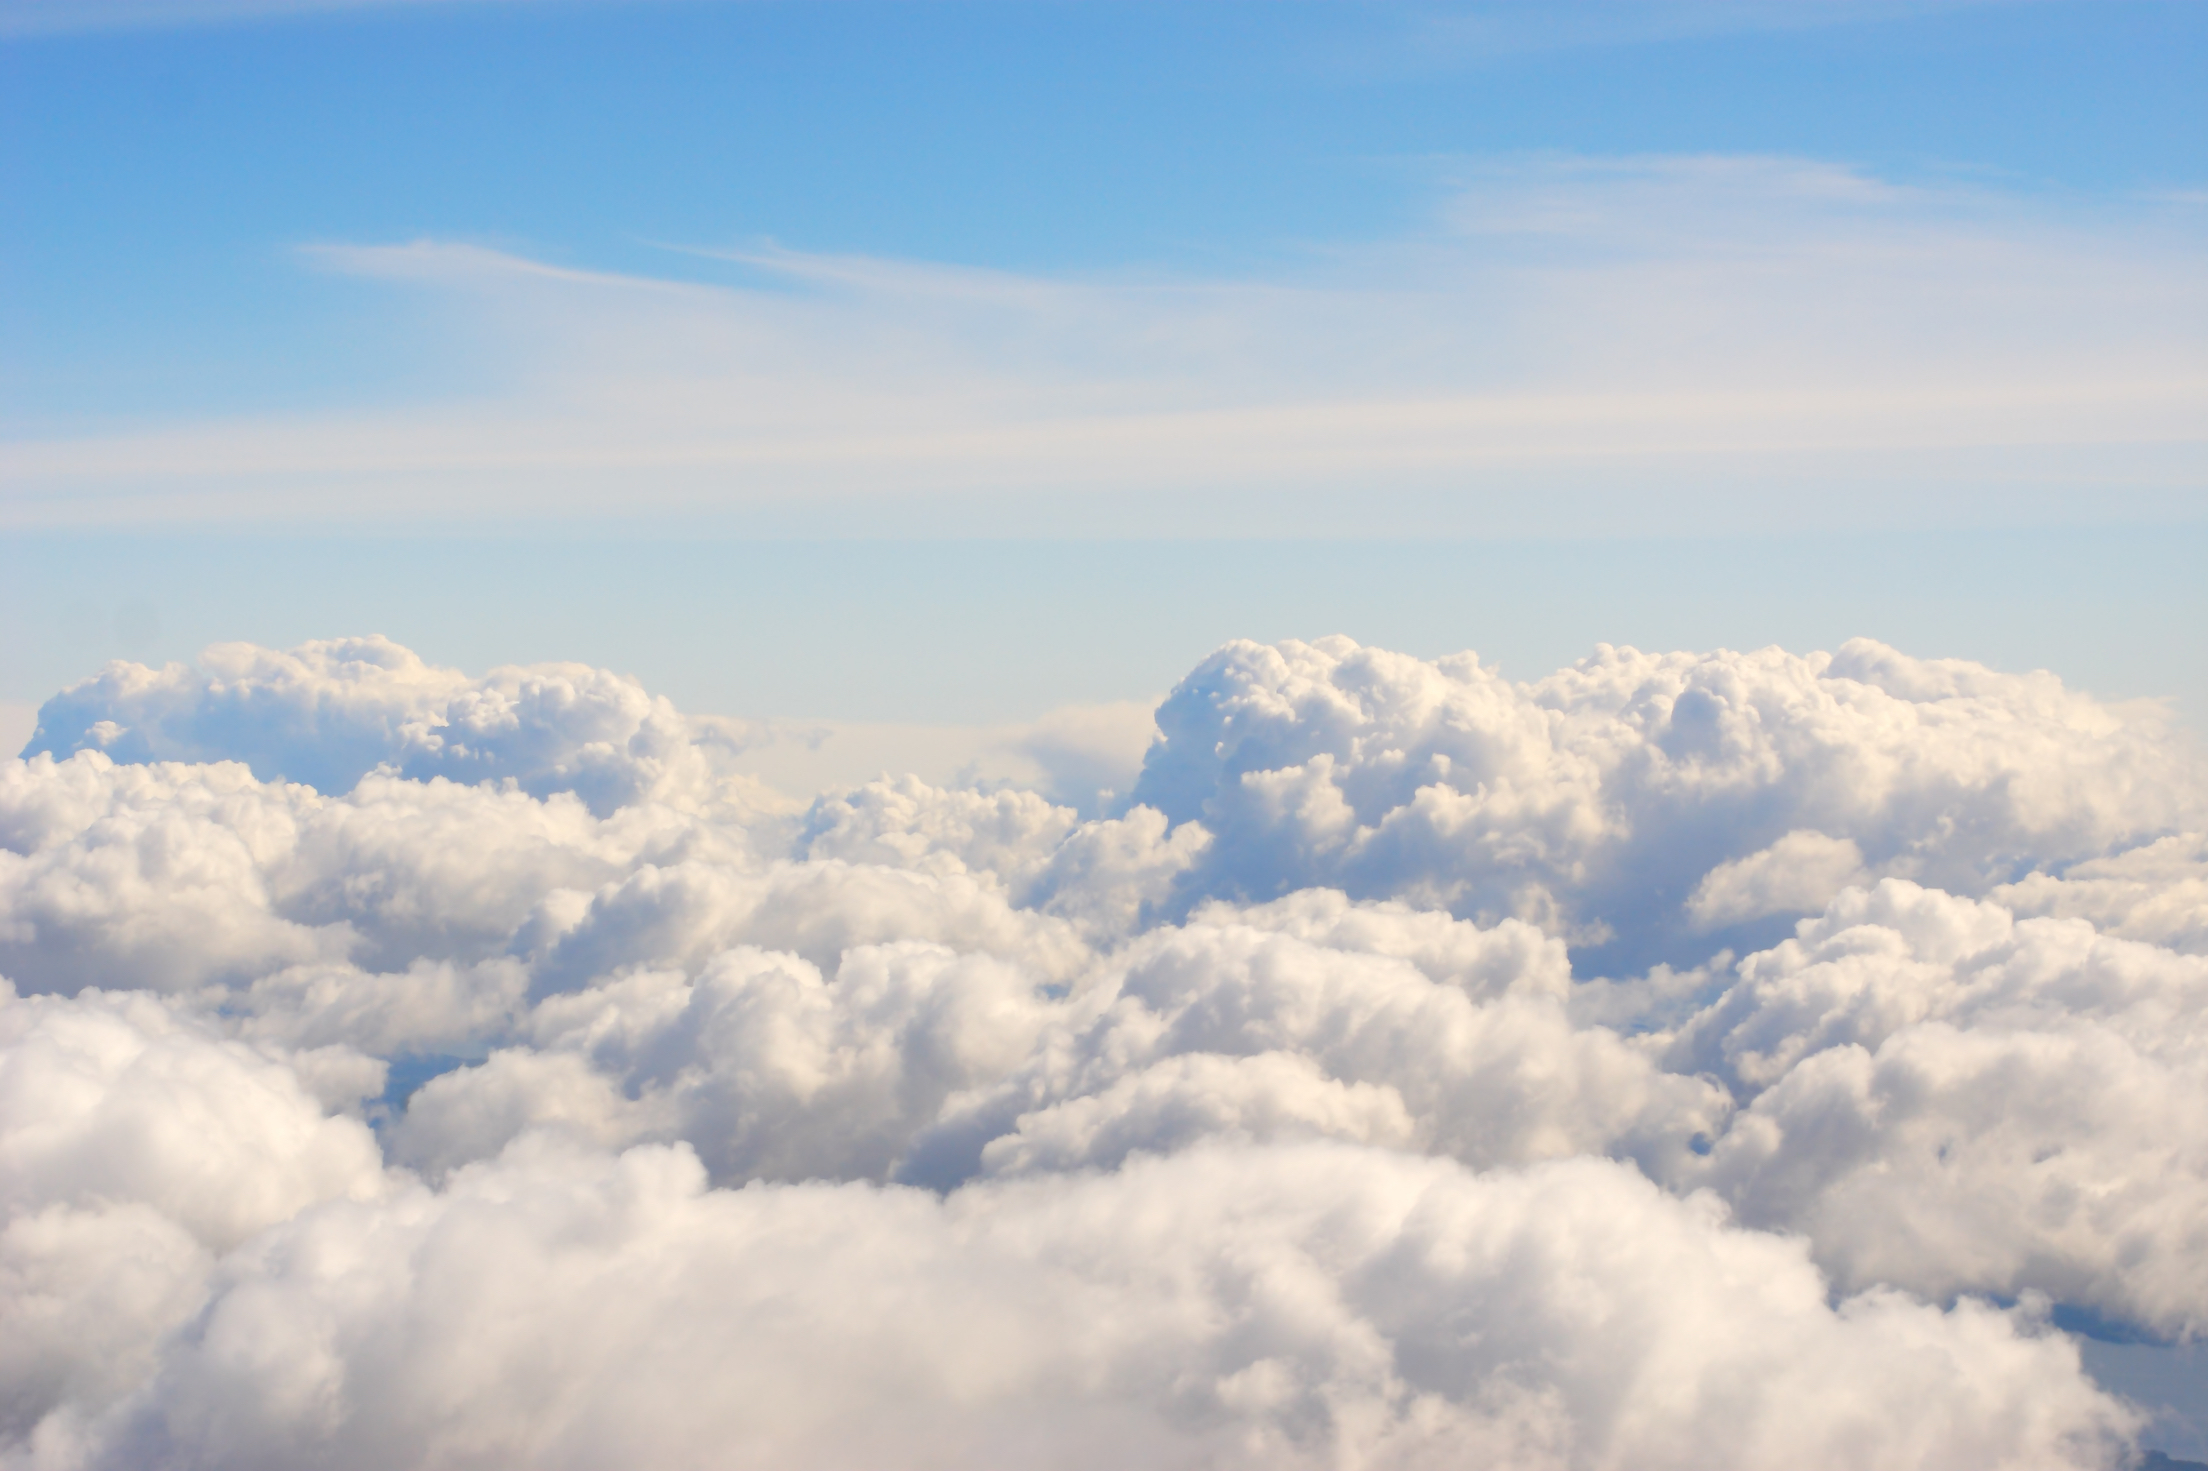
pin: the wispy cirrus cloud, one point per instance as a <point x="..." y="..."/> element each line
<point x="1659" y="341"/>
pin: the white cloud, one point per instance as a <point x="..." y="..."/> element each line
<point x="762" y="1064"/>
<point x="1662" y="340"/>
<point x="1948" y="1098"/>
<point x="1226" y="1308"/>
<point x="1600" y="800"/>
<point x="1801" y="871"/>
<point x="176" y="876"/>
<point x="89" y="1297"/>
<point x="2158" y="893"/>
<point x="146" y="876"/>
<point x="956" y="1120"/>
<point x="1106" y="874"/>
<point x="1437" y="1035"/>
<point x="115" y="1097"/>
<point x="329" y="712"/>
<point x="135" y="1144"/>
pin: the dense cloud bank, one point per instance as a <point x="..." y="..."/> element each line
<point x="1683" y="1060"/>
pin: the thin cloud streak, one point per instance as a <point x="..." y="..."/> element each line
<point x="1604" y="331"/>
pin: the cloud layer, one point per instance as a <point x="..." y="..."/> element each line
<point x="1723" y="325"/>
<point x="1684" y="1059"/>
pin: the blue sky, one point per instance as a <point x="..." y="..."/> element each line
<point x="1781" y="321"/>
<point x="163" y="178"/>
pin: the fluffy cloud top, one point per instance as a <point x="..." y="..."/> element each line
<point x="405" y="1068"/>
<point x="1638" y="795"/>
<point x="328" y="713"/>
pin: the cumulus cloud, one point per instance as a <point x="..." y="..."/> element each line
<point x="2158" y="892"/>
<point x="1684" y="1059"/>
<point x="114" y="1097"/>
<point x="763" y="1064"/>
<point x="1108" y="873"/>
<point x="327" y="713"/>
<point x="1949" y="1098"/>
<point x="136" y="1144"/>
<point x="1637" y="796"/>
<point x="1800" y="872"/>
<point x="1226" y="1308"/>
<point x="1455" y="1042"/>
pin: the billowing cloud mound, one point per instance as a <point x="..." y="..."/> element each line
<point x="1636" y="794"/>
<point x="1288" y="1307"/>
<point x="327" y="713"/>
<point x="398" y="1068"/>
